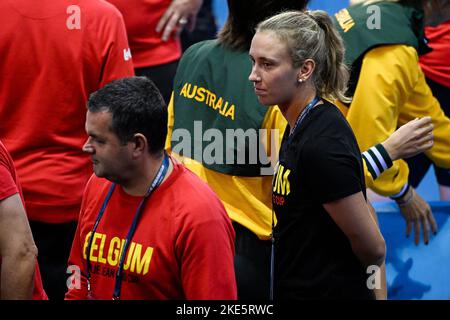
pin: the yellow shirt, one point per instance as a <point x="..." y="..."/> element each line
<point x="391" y="91"/>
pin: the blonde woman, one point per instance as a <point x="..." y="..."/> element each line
<point x="326" y="238"/>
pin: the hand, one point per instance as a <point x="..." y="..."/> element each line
<point x="410" y="139"/>
<point x="180" y="13"/>
<point x="416" y="211"/>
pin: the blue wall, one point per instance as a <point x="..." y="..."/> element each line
<point x="220" y="10"/>
<point x="331" y="6"/>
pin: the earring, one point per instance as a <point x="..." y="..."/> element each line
<point x="300" y="80"/>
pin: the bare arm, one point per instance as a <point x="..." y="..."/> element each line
<point x="380" y="293"/>
<point x="17" y="250"/>
<point x="352" y="216"/>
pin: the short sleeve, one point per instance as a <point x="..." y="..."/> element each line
<point x="333" y="169"/>
<point x="117" y="61"/>
<point x="7" y="185"/>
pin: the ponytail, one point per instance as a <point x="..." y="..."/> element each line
<point x="334" y="75"/>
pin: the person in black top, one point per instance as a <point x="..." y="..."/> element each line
<point x="326" y="237"/>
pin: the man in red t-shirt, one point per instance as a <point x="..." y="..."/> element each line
<point x="53" y="54"/>
<point x="20" y="277"/>
<point x="148" y="228"/>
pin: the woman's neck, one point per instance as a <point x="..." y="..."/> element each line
<point x="292" y="111"/>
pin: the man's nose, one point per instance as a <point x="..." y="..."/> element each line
<point x="87" y="147"/>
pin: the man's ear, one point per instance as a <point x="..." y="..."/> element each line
<point x="139" y="144"/>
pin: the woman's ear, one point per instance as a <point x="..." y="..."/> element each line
<point x="306" y="70"/>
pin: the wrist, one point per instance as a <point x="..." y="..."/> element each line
<point x="405" y="196"/>
<point x="390" y="150"/>
<point x="377" y="160"/>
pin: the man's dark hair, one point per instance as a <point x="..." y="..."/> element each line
<point x="136" y="106"/>
<point x="244" y="16"/>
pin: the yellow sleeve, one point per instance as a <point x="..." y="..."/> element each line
<point x="170" y="121"/>
<point x="422" y="103"/>
<point x="387" y="78"/>
<point x="275" y="124"/>
<point x="367" y="176"/>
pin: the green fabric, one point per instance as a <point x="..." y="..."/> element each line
<point x="210" y="87"/>
<point x="399" y="25"/>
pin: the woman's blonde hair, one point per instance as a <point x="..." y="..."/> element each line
<point x="311" y="35"/>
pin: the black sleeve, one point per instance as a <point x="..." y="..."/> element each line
<point x="333" y="169"/>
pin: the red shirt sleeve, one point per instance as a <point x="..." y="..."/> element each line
<point x="117" y="62"/>
<point x="7" y="185"/>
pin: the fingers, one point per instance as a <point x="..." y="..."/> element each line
<point x="418" y="214"/>
<point x="423" y="121"/>
<point x="418" y="137"/>
<point x="408" y="228"/>
<point x="162" y="22"/>
<point x="416" y="232"/>
<point x="433" y="223"/>
<point x="426" y="142"/>
<point x="423" y="130"/>
<point x="180" y="14"/>
<point x="426" y="229"/>
<point x="417" y="127"/>
<point x="426" y="221"/>
<point x="171" y="26"/>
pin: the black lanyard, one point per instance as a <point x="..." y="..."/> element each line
<point x="299" y="120"/>
<point x="155" y="183"/>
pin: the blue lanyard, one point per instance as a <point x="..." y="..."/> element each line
<point x="155" y="183"/>
<point x="304" y="113"/>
